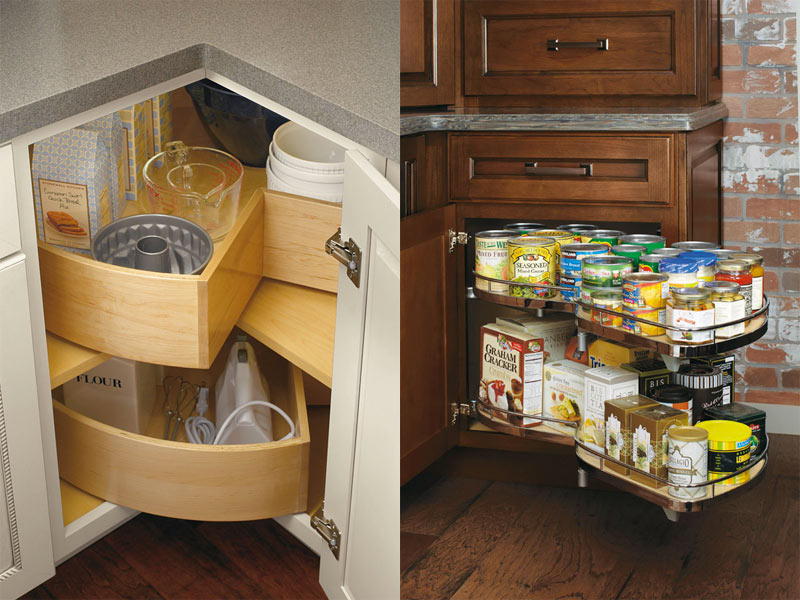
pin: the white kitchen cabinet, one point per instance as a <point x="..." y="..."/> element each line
<point x="362" y="465"/>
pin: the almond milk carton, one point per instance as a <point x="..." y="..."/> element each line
<point x="511" y="374"/>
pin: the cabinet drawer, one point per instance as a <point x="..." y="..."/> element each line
<point x="193" y="481"/>
<point x="592" y="47"/>
<point x="626" y="170"/>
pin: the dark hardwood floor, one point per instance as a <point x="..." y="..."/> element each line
<point x="469" y="538"/>
<point x="155" y="557"/>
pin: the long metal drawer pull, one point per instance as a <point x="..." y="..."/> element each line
<point x="599" y="44"/>
<point x="533" y="168"/>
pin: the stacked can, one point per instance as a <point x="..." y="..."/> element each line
<point x="571" y="257"/>
<point x="650" y="242"/>
<point x="602" y="285"/>
<point x="561" y="238"/>
<point x="632" y="251"/>
<point x="644" y="295"/>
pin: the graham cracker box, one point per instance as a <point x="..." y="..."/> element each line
<point x="71" y="188"/>
<point x="134" y="121"/>
<point x="562" y="393"/>
<point x="601" y="384"/>
<point x="113" y="135"/>
<point x="603" y="353"/>
<point x="555" y="329"/>
<point x="160" y="128"/>
<point x="511" y="374"/>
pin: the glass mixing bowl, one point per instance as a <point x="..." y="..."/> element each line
<point x="199" y="184"/>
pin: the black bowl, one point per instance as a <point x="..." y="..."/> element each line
<point x="239" y="125"/>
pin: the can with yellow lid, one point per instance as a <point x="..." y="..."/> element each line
<point x="728" y="450"/>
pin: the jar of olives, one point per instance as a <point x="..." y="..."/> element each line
<point x="690" y="307"/>
<point x="729" y="305"/>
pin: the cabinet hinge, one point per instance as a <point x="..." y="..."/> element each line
<point x="347" y="253"/>
<point x="464" y="409"/>
<point x="327" y="529"/>
<point x="457" y="237"/>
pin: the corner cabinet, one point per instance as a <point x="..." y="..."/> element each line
<point x="329" y="343"/>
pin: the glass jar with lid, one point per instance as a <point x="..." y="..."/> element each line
<point x="690" y="307"/>
<point x="729" y="305"/>
<point x="681" y="270"/>
<point x="705" y="265"/>
<point x="756" y="263"/>
<point x="737" y="271"/>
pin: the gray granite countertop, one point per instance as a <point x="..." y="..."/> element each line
<point x="629" y="119"/>
<point x="333" y="61"/>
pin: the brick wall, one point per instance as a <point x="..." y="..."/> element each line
<point x="761" y="181"/>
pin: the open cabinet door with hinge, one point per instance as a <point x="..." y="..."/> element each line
<point x="428" y="339"/>
<point x="362" y="502"/>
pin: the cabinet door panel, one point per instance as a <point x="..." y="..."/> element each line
<point x="427" y="52"/>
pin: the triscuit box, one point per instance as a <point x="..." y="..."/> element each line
<point x="71" y="188"/>
<point x="134" y="122"/>
<point x="555" y="329"/>
<point x="603" y="353"/>
<point x="601" y="384"/>
<point x="562" y="395"/>
<point x="113" y="136"/>
<point x="160" y="129"/>
<point x="511" y="373"/>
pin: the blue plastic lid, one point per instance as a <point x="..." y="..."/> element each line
<point x="679" y="264"/>
<point x="705" y="259"/>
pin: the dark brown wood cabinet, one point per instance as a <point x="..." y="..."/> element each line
<point x="427" y="53"/>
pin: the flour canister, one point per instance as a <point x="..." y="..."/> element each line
<point x="728" y="450"/>
<point x="491" y="258"/>
<point x="532" y="260"/>
<point x="687" y="461"/>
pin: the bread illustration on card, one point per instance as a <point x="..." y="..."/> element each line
<point x="65" y="223"/>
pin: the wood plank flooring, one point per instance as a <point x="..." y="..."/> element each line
<point x="155" y="557"/>
<point x="467" y="538"/>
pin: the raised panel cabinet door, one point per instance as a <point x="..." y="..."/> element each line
<point x="26" y="555"/>
<point x="361" y="492"/>
<point x="428" y="338"/>
<point x="427" y="54"/>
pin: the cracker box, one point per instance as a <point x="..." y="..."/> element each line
<point x="511" y="373"/>
<point x="161" y="119"/>
<point x="71" y="188"/>
<point x="134" y="121"/>
<point x="601" y="384"/>
<point x="555" y="329"/>
<point x="113" y="135"/>
<point x="652" y="374"/>
<point x="603" y="353"/>
<point x="650" y="444"/>
<point x="562" y="395"/>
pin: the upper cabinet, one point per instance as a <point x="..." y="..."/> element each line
<point x="427" y="52"/>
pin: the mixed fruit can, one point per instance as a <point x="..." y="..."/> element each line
<point x="491" y="258"/>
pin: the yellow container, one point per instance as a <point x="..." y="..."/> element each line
<point x="728" y="450"/>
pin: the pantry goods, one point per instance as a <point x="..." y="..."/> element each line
<point x="563" y="394"/>
<point x="532" y="260"/>
<point x="705" y="382"/>
<point x="571" y="255"/>
<point x="607" y="300"/>
<point x="604" y="353"/>
<point x="694" y="245"/>
<point x="687" y="461"/>
<point x="755" y="263"/>
<point x="727" y="366"/>
<point x="652" y="373"/>
<point x="605" y="271"/>
<point x="668" y="252"/>
<point x="607" y="237"/>
<point x="675" y="396"/>
<point x="737" y="271"/>
<point x="631" y="251"/>
<point x="650" y="242"/>
<point x="690" y="307"/>
<point x="649" y="263"/>
<point x="643" y="290"/>
<point x="491" y="258"/>
<point x="729" y="305"/>
<point x="754" y="418"/>
<point x="728" y="450"/>
<point x="682" y="272"/>
<point x="650" y="444"/>
<point x="601" y="384"/>
<point x="554" y="328"/>
<point x="618" y="429"/>
<point x="705" y="265"/>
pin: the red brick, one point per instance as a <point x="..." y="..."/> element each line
<point x="777" y="257"/>
<point x="773" y="208"/>
<point x="772" y="397"/>
<point x="732" y="7"/>
<point x="791" y="185"/>
<point x="790" y="28"/>
<point x="731" y="55"/>
<point x="765" y="181"/>
<point x="752" y="231"/>
<point x="791" y="281"/>
<point x="757" y="29"/>
<point x="749" y="133"/>
<point x="731" y="206"/>
<point x="761" y="352"/>
<point x="790" y="378"/>
<point x="770" y="281"/>
<point x="751" y="81"/>
<point x="728" y="30"/>
<point x="768" y="55"/>
<point x="791" y="233"/>
<point x="770" y="7"/>
<point x="735" y="105"/>
<point x="782" y="107"/>
<point x="790" y="81"/>
<point x="790" y="134"/>
<point x="759" y="376"/>
<point x="788" y="306"/>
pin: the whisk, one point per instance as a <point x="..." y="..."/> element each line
<point x="180" y="397"/>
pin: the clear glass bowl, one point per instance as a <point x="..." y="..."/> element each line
<point x="199" y="184"/>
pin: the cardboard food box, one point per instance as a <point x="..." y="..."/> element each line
<point x="652" y="374"/>
<point x="563" y="394"/>
<point x="601" y="384"/>
<point x="71" y="188"/>
<point x="511" y="373"/>
<point x="650" y="443"/>
<point x="555" y="329"/>
<point x="113" y="136"/>
<point x="603" y="353"/>
<point x="161" y="129"/>
<point x="726" y="364"/>
<point x="134" y="121"/>
<point x="619" y="438"/>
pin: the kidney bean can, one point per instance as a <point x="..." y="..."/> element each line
<point x="687" y="461"/>
<point x="491" y="258"/>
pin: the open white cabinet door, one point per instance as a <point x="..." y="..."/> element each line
<point x="362" y="495"/>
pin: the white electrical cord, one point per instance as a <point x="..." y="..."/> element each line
<point x="200" y="430"/>
<point x="238" y="409"/>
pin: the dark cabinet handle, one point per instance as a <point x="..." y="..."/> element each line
<point x="409" y="186"/>
<point x="533" y="168"/>
<point x="555" y="45"/>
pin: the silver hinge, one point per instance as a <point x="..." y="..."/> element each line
<point x="463" y="409"/>
<point x="327" y="529"/>
<point x="349" y="254"/>
<point x="457" y="237"/>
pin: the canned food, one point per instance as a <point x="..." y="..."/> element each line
<point x="610" y="301"/>
<point x="577" y="229"/>
<point x="654" y="315"/>
<point x="670" y="252"/>
<point x="645" y="290"/>
<point x="650" y="242"/>
<point x="532" y="260"/>
<point x="648" y="263"/>
<point x="605" y="271"/>
<point x="608" y="237"/>
<point x="571" y="294"/>
<point x="629" y="251"/>
<point x="491" y="258"/>
<point x="571" y="255"/>
<point x="728" y="450"/>
<point x="692" y="245"/>
<point x="523" y="228"/>
<point x="687" y="461"/>
<point x="571" y="280"/>
<point x="586" y="292"/>
<point x="721" y="253"/>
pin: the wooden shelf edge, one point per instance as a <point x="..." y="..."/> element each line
<point x="75" y="502"/>
<point x="296" y="322"/>
<point x="68" y="360"/>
